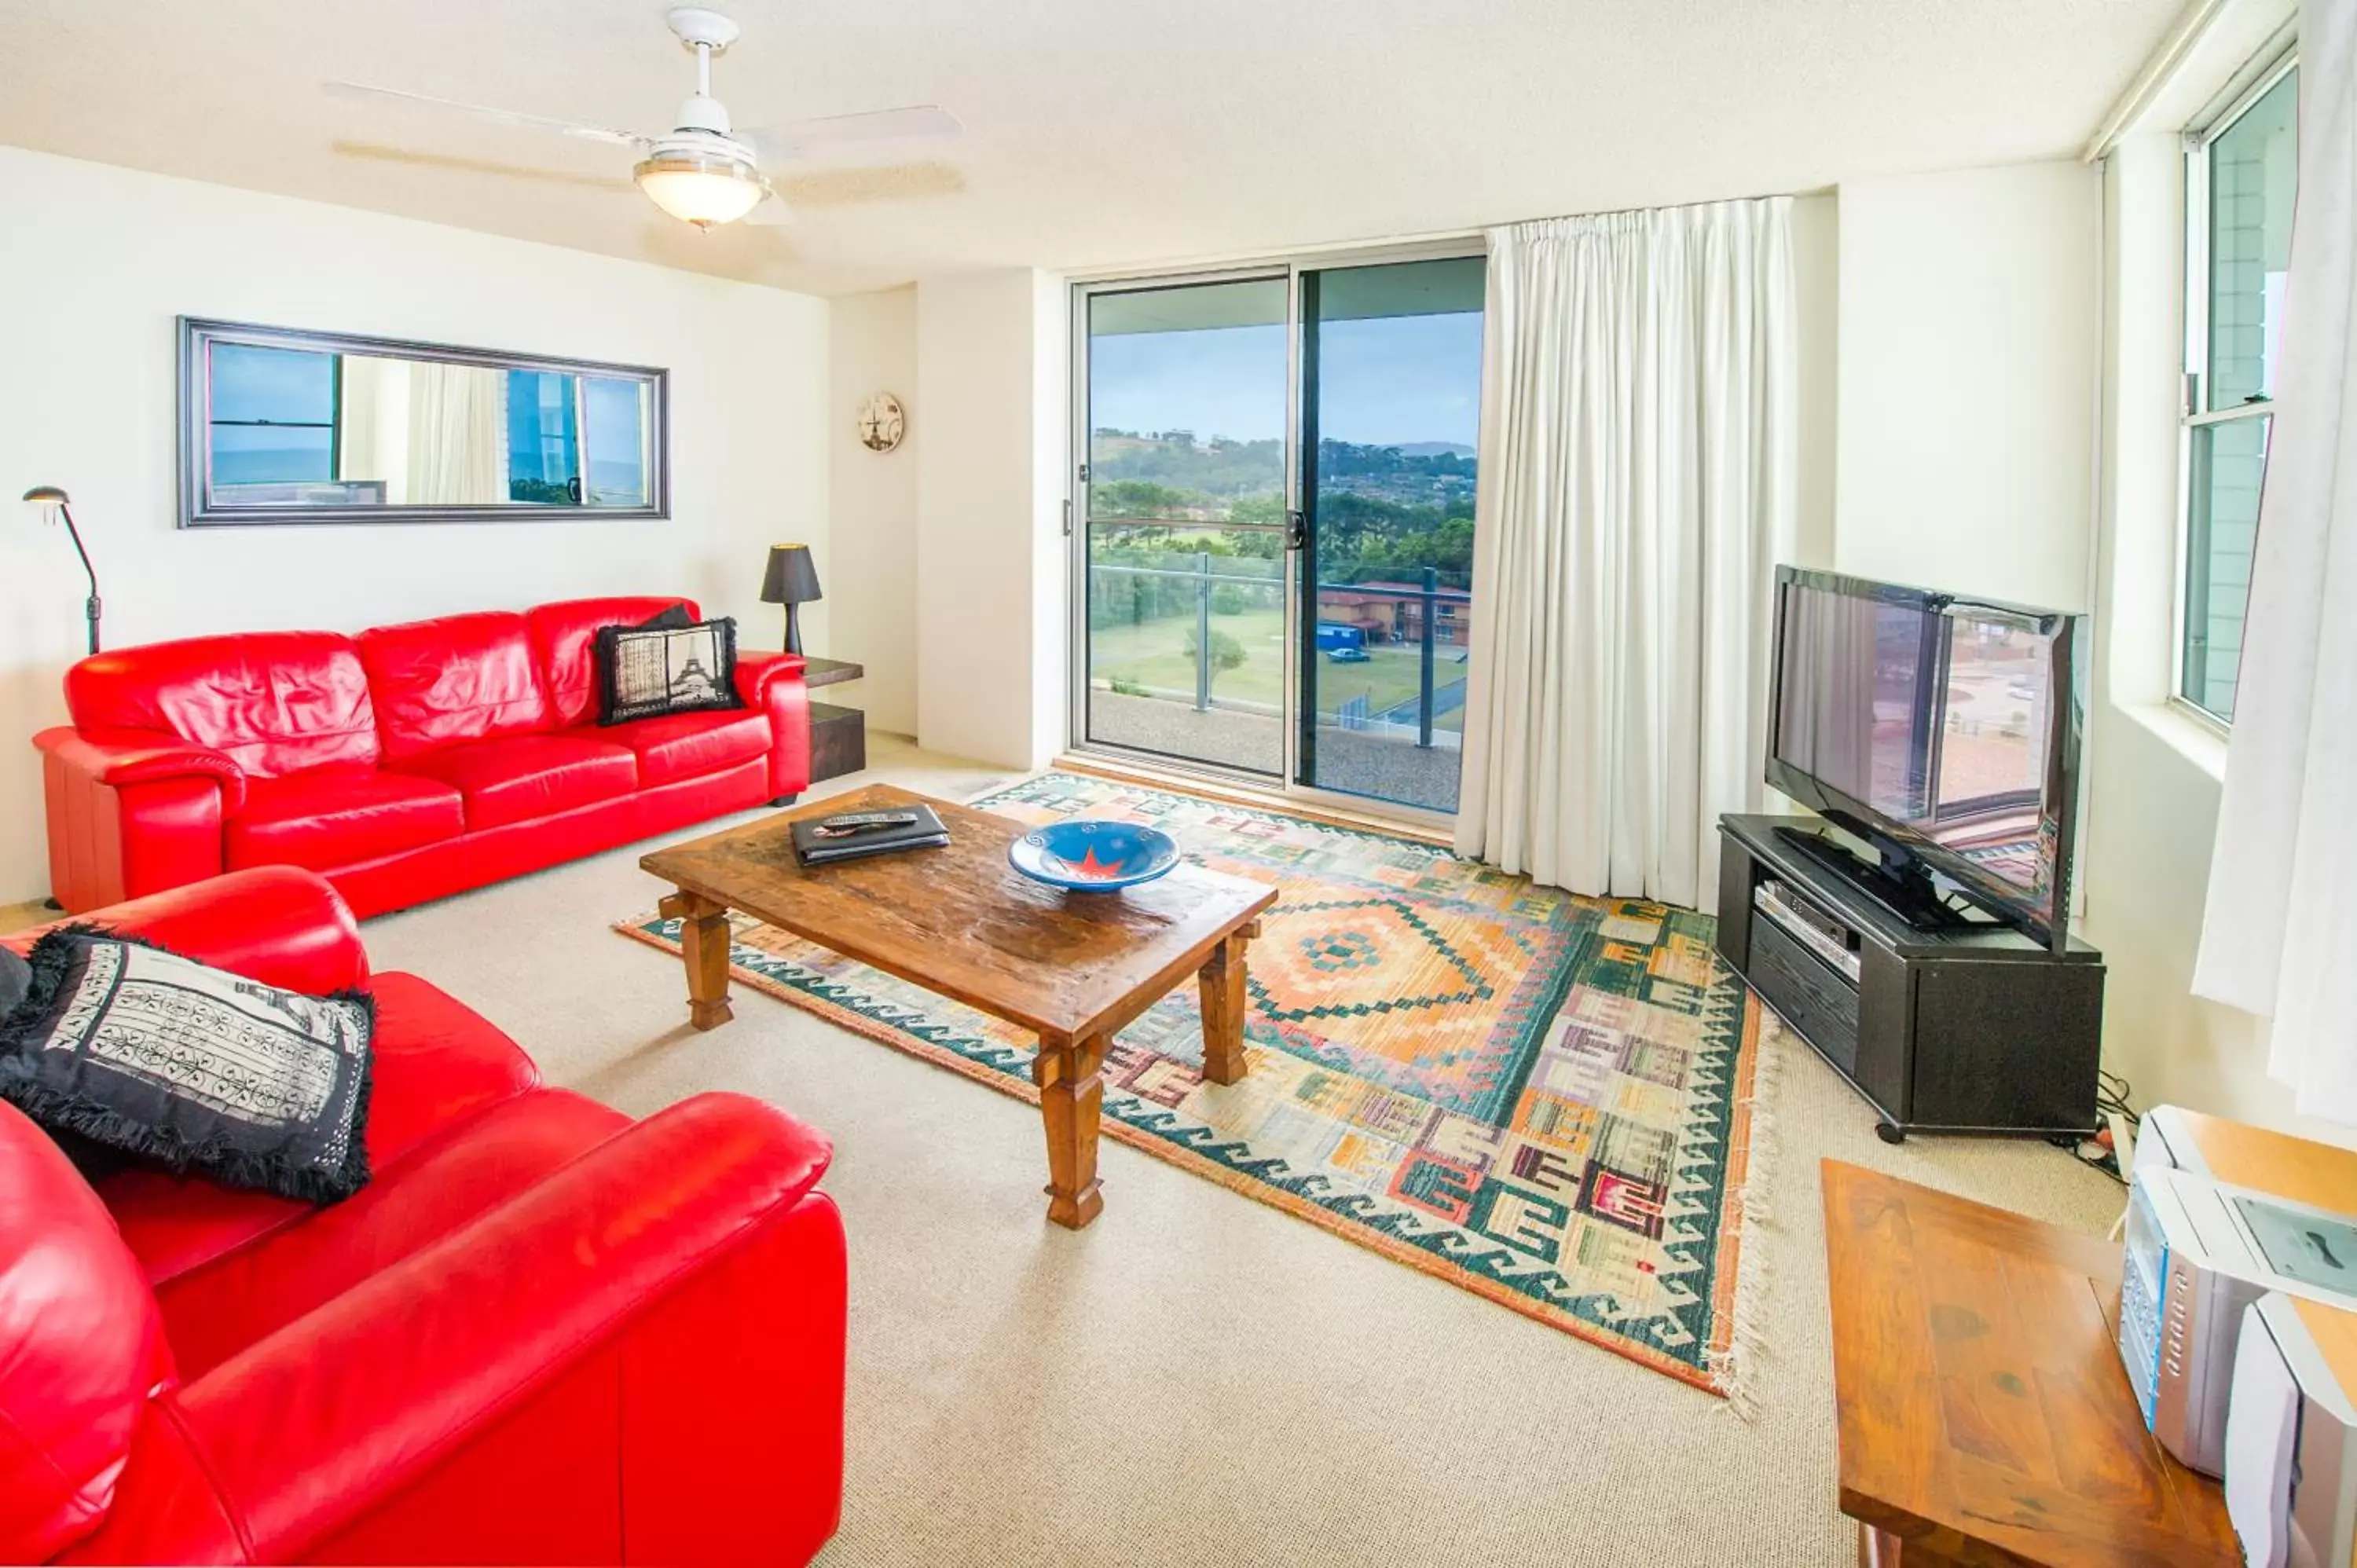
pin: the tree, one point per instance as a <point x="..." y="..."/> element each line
<point x="1227" y="600"/>
<point x="1227" y="653"/>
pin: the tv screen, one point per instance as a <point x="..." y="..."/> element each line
<point x="1944" y="727"/>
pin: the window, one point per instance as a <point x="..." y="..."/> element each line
<point x="2241" y="174"/>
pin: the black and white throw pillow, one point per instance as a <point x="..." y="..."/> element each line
<point x="143" y="1051"/>
<point x="644" y="672"/>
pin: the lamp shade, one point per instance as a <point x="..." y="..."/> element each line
<point x="45" y="495"/>
<point x="791" y="579"/>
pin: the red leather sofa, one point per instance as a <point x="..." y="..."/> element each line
<point x="404" y="764"/>
<point x="541" y="1334"/>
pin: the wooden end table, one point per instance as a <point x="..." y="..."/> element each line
<point x="838" y="734"/>
<point x="1073" y="968"/>
<point x="1985" y="1416"/>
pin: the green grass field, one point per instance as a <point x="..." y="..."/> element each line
<point x="1153" y="654"/>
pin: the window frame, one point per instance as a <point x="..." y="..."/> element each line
<point x="2253" y="83"/>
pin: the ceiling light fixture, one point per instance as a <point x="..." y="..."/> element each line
<point x="699" y="185"/>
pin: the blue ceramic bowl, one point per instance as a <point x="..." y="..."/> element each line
<point x="1094" y="857"/>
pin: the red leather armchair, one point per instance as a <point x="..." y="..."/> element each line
<point x="404" y="764"/>
<point x="541" y="1334"/>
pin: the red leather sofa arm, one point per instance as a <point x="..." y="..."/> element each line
<point x="773" y="683"/>
<point x="133" y="811"/>
<point x="326" y="1421"/>
<point x="756" y="672"/>
<point x="121" y="757"/>
<point x="272" y="923"/>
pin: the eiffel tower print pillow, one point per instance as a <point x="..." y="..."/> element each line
<point x="644" y="672"/>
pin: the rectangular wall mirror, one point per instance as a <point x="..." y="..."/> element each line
<point x="284" y="426"/>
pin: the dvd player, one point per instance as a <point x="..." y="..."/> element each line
<point x="1821" y="934"/>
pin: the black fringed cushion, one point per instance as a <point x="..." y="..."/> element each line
<point x="644" y="672"/>
<point x="161" y="1058"/>
<point x="15" y="979"/>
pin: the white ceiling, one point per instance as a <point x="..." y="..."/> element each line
<point x="1101" y="133"/>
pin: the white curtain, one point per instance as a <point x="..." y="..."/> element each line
<point x="458" y="434"/>
<point x="2280" y="934"/>
<point x="1636" y="491"/>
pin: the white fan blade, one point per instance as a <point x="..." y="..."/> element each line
<point x="772" y="213"/>
<point x="796" y="137"/>
<point x="508" y="116"/>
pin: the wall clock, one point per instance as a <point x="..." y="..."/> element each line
<point x="882" y="422"/>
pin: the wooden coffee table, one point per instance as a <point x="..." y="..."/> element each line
<point x="1073" y="968"/>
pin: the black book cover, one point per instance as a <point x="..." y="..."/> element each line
<point x="814" y="847"/>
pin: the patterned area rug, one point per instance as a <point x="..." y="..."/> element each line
<point x="1542" y="1099"/>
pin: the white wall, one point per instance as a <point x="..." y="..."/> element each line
<point x="872" y="507"/>
<point x="1970" y="338"/>
<point x="990" y="559"/>
<point x="88" y="402"/>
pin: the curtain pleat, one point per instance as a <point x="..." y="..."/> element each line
<point x="1636" y="489"/>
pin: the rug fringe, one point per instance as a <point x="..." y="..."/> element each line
<point x="1737" y="1366"/>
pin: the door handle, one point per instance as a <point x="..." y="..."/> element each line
<point x="1297" y="530"/>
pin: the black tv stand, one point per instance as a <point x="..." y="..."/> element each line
<point x="1910" y="898"/>
<point x="1955" y="1026"/>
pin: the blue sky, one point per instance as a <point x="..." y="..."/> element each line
<point x="1383" y="382"/>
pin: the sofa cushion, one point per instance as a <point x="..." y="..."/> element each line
<point x="273" y="701"/>
<point x="329" y="818"/>
<point x="523" y="777"/>
<point x="688" y="746"/>
<point x="564" y="634"/>
<point x="439" y="1064"/>
<point x="461" y="678"/>
<point x="80" y="1344"/>
<point x="197" y="1069"/>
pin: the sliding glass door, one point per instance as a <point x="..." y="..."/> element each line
<point x="1275" y="520"/>
<point x="1391" y="414"/>
<point x="1182" y="496"/>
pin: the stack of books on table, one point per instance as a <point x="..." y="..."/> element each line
<point x="854" y="836"/>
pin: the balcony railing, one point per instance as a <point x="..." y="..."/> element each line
<point x="1191" y="584"/>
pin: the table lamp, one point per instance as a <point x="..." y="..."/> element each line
<point x="791" y="581"/>
<point x="52" y="502"/>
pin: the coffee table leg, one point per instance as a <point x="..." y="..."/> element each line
<point x="1072" y="1094"/>
<point x="1222" y="982"/>
<point x="704" y="944"/>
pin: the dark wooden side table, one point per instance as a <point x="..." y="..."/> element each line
<point x="1985" y="1416"/>
<point x="838" y="735"/>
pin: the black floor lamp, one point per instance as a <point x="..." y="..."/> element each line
<point x="52" y="502"/>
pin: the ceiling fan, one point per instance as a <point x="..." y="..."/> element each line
<point x="705" y="171"/>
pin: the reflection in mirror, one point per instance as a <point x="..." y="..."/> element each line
<point x="298" y="426"/>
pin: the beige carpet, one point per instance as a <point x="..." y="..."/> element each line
<point x="1199" y="1379"/>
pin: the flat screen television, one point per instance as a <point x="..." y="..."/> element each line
<point x="1940" y="729"/>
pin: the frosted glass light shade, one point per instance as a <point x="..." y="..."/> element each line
<point x="698" y="189"/>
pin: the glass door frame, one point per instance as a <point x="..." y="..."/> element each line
<point x="1076" y="516"/>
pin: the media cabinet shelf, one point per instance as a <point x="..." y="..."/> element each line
<point x="1962" y="1029"/>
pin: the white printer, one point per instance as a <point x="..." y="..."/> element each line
<point x="2199" y="1253"/>
<point x="2291" y="1436"/>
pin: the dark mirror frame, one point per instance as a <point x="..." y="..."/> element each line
<point x="196" y="335"/>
